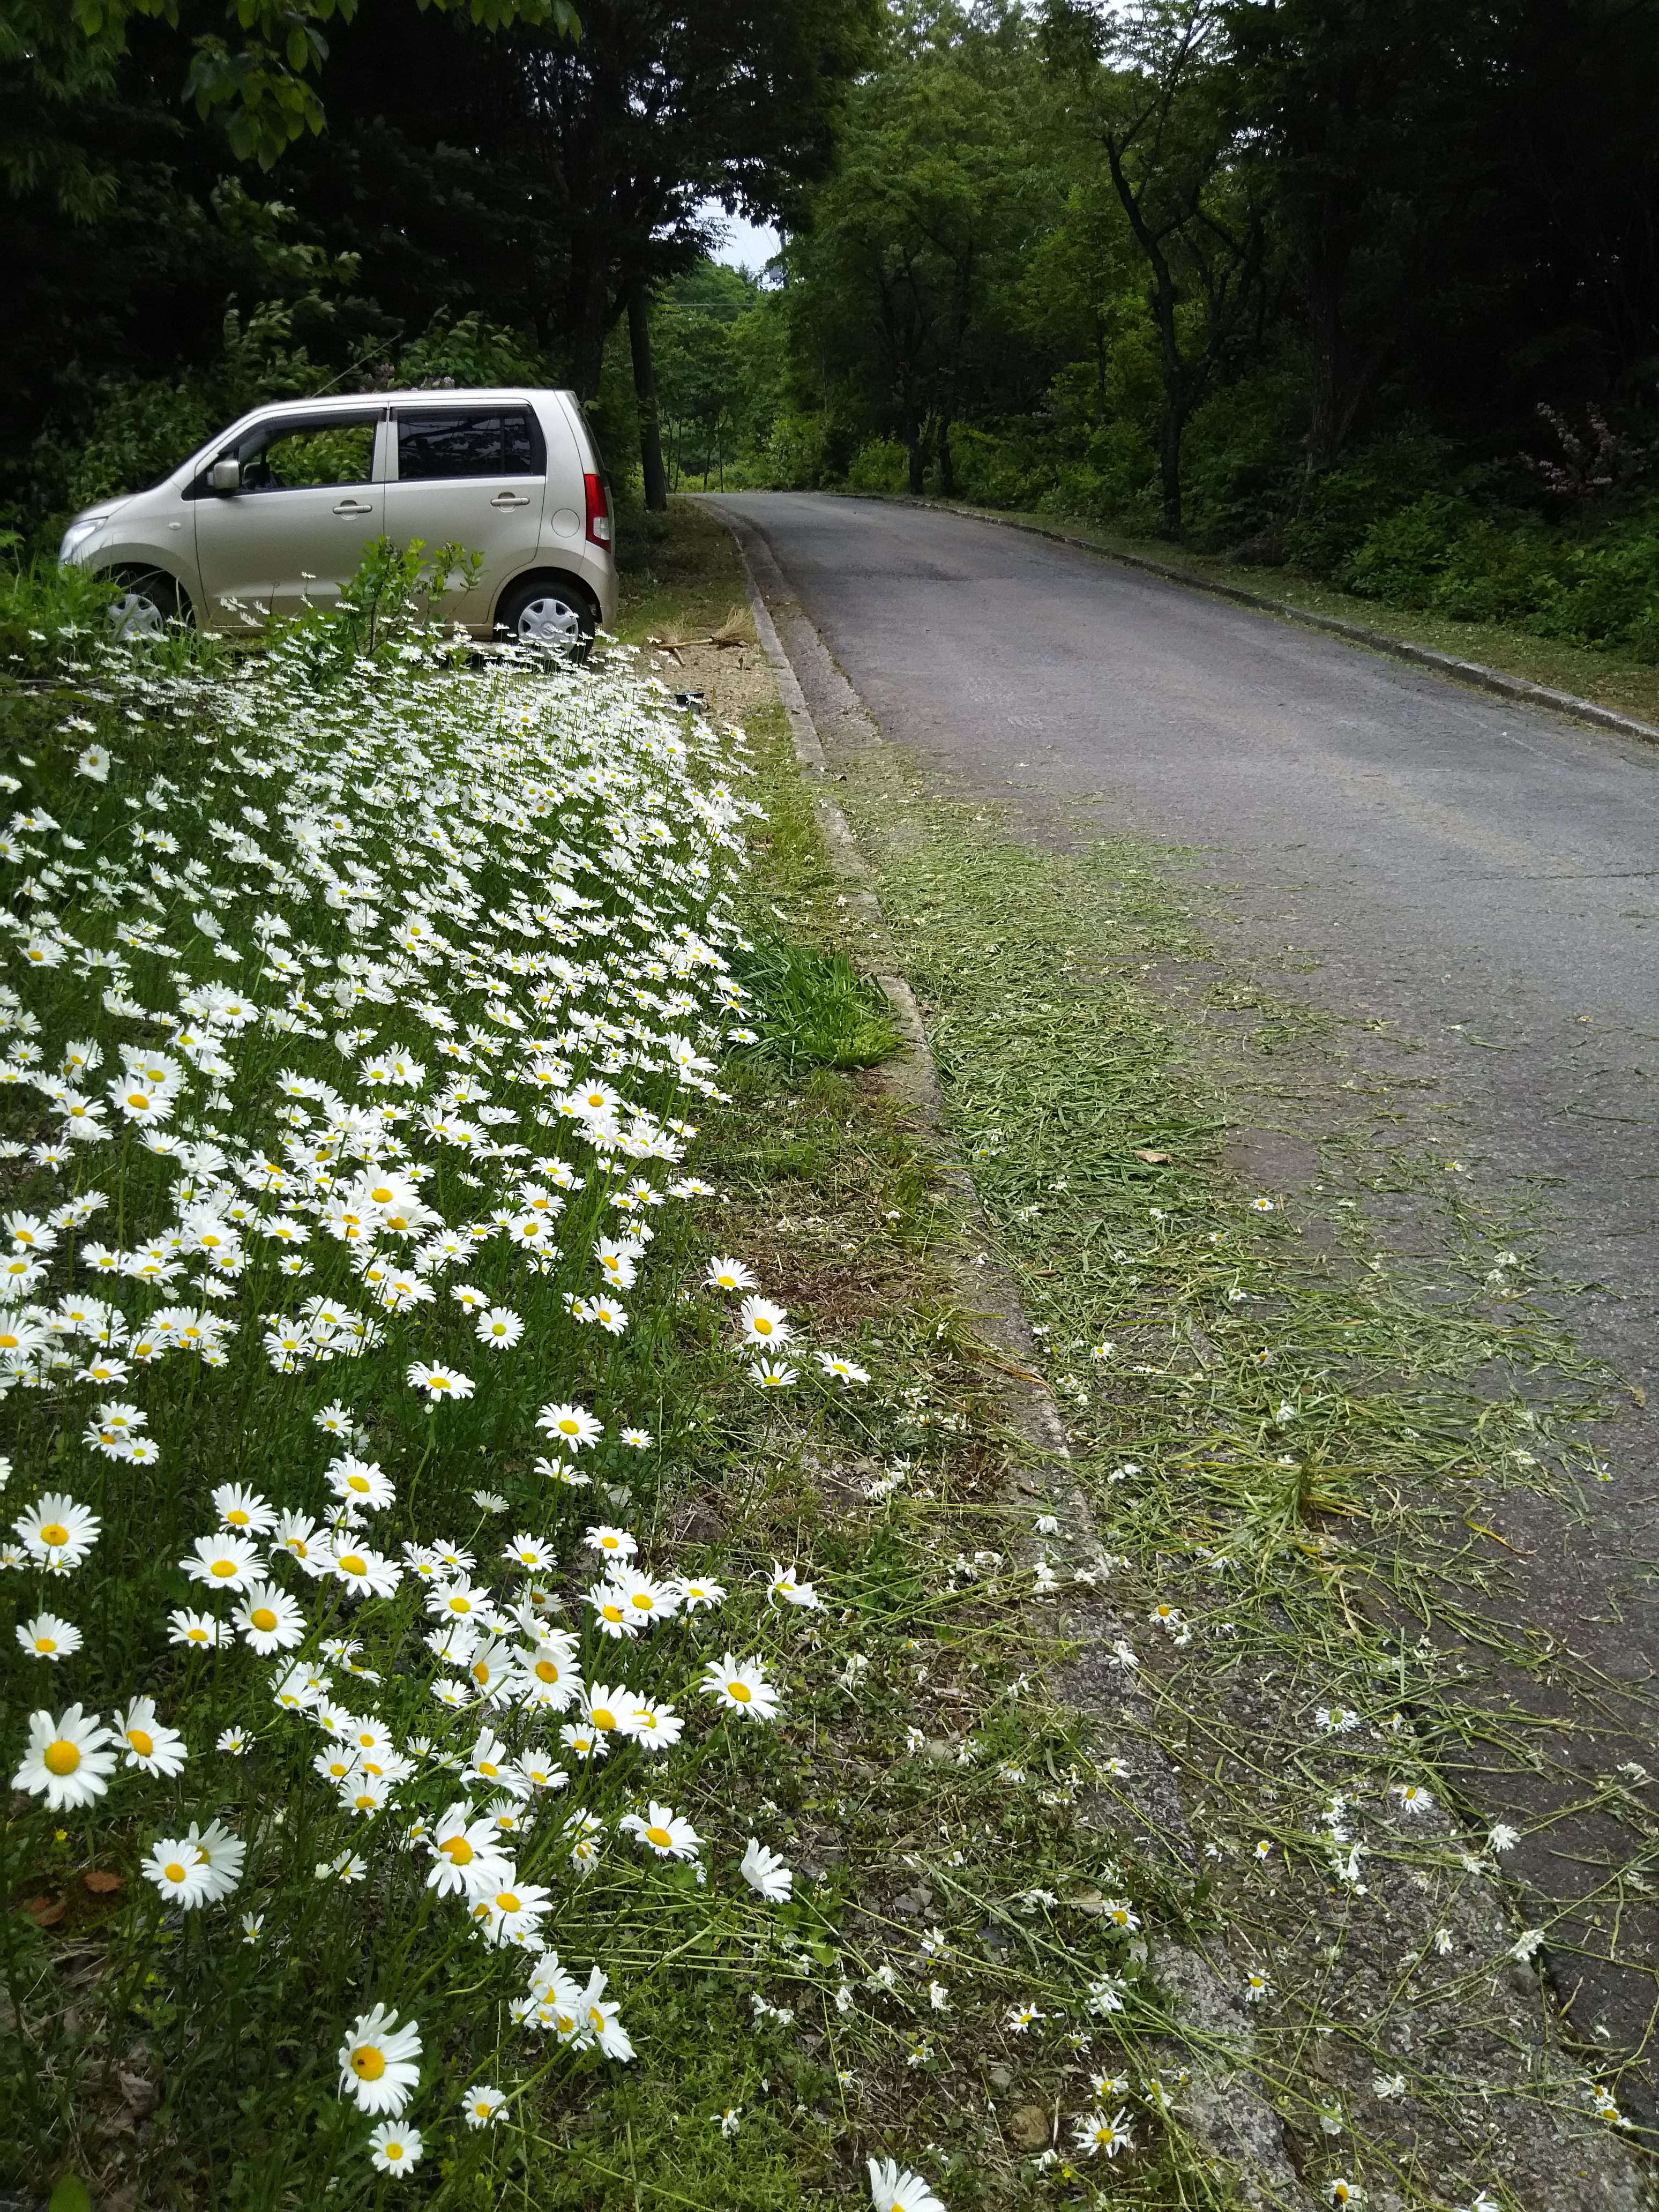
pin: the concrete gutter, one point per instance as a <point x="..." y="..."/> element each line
<point x="1474" y="672"/>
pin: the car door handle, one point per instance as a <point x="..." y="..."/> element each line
<point x="355" y="507"/>
<point x="511" y="499"/>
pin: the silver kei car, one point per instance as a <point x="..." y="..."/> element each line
<point x="275" y="513"/>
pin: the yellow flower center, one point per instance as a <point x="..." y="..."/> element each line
<point x="488" y="1769"/>
<point x="237" y="1518"/>
<point x="762" y="1327"/>
<point x="54" y="1532"/>
<point x="642" y="1601"/>
<point x="46" y="1643"/>
<point x="137" y="1098"/>
<point x="460" y="1604"/>
<point x="359" y="1483"/>
<point x="382" y="1196"/>
<point x="612" y="1613"/>
<point x="659" y="1837"/>
<point x="223" y="1569"/>
<point x="353" y="1564"/>
<point x="546" y="1670"/>
<point x="173" y="1871"/>
<point x="364" y="1800"/>
<point x="603" y="1717"/>
<point x="481" y="1670"/>
<point x="569" y="1428"/>
<point x="457" y="1851"/>
<point x="739" y="1691"/>
<point x="263" y="1618"/>
<point x="142" y="1742"/>
<point x="367" y="2063"/>
<point x="507" y="1901"/>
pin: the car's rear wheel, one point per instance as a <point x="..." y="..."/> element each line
<point x="147" y="600"/>
<point x="548" y="612"/>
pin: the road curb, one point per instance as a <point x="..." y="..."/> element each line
<point x="1475" y="673"/>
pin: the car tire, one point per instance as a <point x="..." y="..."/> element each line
<point x="148" y="602"/>
<point x="550" y="613"/>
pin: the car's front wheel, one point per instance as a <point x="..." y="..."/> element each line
<point x="548" y="612"/>
<point x="147" y="601"/>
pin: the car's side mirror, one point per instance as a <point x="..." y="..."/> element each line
<point x="225" y="475"/>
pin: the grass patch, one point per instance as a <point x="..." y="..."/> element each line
<point x="814" y="1009"/>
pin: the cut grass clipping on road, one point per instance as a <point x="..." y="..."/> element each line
<point x="1294" y="1456"/>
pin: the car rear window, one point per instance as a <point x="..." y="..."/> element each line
<point x="455" y="441"/>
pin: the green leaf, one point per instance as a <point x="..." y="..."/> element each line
<point x="70" y="2195"/>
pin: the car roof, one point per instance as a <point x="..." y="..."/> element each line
<point x="348" y="402"/>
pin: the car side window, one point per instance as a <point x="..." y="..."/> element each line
<point x="456" y="442"/>
<point x="309" y="456"/>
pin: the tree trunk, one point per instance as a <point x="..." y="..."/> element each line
<point x="1322" y="291"/>
<point x="947" y="468"/>
<point x="916" y="444"/>
<point x="589" y="298"/>
<point x="1170" y="467"/>
<point x="1338" y="382"/>
<point x="645" y="391"/>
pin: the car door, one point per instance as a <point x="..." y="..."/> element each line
<point x="309" y="506"/>
<point x="472" y="475"/>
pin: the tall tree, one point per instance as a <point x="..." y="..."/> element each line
<point x="921" y="228"/>
<point x="1347" y="105"/>
<point x="653" y="476"/>
<point x="1170" y="150"/>
<point x="566" y="173"/>
<point x="260" y="82"/>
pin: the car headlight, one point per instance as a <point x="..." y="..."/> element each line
<point x="77" y="535"/>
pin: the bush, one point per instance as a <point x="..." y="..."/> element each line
<point x="1242" y="467"/>
<point x="1500" y="569"/>
<point x="49" y="614"/>
<point x="1609" y="596"/>
<point x="1441" y="555"/>
<point x="879" y="465"/>
<point x="1346" y="502"/>
<point x="989" y="471"/>
<point x="1403" y="557"/>
<point x="792" y="458"/>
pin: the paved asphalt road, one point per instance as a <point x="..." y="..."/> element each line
<point x="1482" y="877"/>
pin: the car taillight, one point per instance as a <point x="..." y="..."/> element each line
<point x="598" y="511"/>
